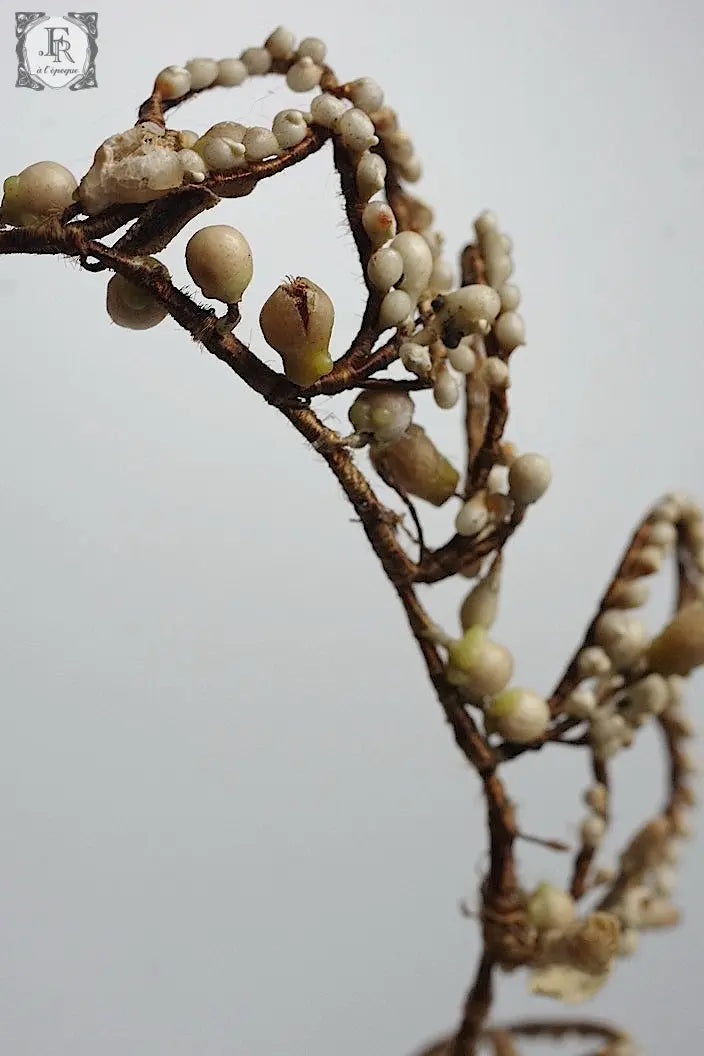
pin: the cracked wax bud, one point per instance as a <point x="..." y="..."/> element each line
<point x="35" y="193"/>
<point x="550" y="908"/>
<point x="679" y="648"/>
<point x="132" y="306"/>
<point x="219" y="261"/>
<point x="482" y="665"/>
<point x="518" y="715"/>
<point x="384" y="415"/>
<point x="415" y="465"/>
<point x="297" y="321"/>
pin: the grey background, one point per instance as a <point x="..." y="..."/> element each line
<point x="233" y="820"/>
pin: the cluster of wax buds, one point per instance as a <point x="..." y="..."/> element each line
<point x="452" y="333"/>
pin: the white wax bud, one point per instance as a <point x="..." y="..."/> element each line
<point x="529" y="477"/>
<point x="370" y="175"/>
<point x="395" y="309"/>
<point x="473" y="516"/>
<point x="289" y="128"/>
<point x="510" y="331"/>
<point x="385" y="268"/>
<point x="445" y="390"/>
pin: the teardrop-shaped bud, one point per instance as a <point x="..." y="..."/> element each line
<point x="415" y="466"/>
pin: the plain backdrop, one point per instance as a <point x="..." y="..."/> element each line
<point x="233" y="820"/>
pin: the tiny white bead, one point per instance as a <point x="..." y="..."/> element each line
<point x="417" y="261"/>
<point x="510" y="297"/>
<point x="203" y="72"/>
<point x="442" y="277"/>
<point x="498" y="268"/>
<point x="192" y="163"/>
<point x="303" y="75"/>
<point x="529" y="478"/>
<point x="379" y="222"/>
<point x="366" y="94"/>
<point x="473" y="516"/>
<point x="326" y="110"/>
<point x="260" y="143"/>
<point x="485" y="222"/>
<point x="411" y="170"/>
<point x="173" y="82"/>
<point x="399" y="146"/>
<point x="280" y="43"/>
<point x="496" y="373"/>
<point x="395" y="308"/>
<point x="415" y="358"/>
<point x="312" y="48"/>
<point x="662" y="533"/>
<point x="463" y="358"/>
<point x="446" y="391"/>
<point x="221" y="154"/>
<point x="385" y="268"/>
<point x="371" y="175"/>
<point x="231" y="72"/>
<point x="592" y="830"/>
<point x="256" y="60"/>
<point x="593" y="662"/>
<point x="290" y="128"/>
<point x="357" y="130"/>
<point x="510" y="331"/>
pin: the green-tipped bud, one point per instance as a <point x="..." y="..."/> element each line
<point x="518" y="715"/>
<point x="483" y="666"/>
<point x="297" y="322"/>
<point x="385" y="416"/>
<point x="416" y="467"/>
<point x="550" y="908"/>
<point x="679" y="648"/>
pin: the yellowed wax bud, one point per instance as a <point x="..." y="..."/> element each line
<point x="219" y="261"/>
<point x="679" y="648"/>
<point x="297" y="321"/>
<point x="518" y="715"/>
<point x="482" y="665"/>
<point x="132" y="306"/>
<point x="415" y="465"/>
<point x="35" y="193"/>
<point x="550" y="907"/>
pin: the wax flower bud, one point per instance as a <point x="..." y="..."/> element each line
<point x="132" y="306"/>
<point x="417" y="261"/>
<point x="529" y="477"/>
<point x="385" y="416"/>
<point x="468" y="310"/>
<point x="219" y="261"/>
<point x="297" y="321"/>
<point x="621" y="636"/>
<point x="416" y="466"/>
<point x="550" y="907"/>
<point x="679" y="648"/>
<point x="473" y="515"/>
<point x="483" y="666"/>
<point x="518" y="715"/>
<point x="482" y="603"/>
<point x="38" y="191"/>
